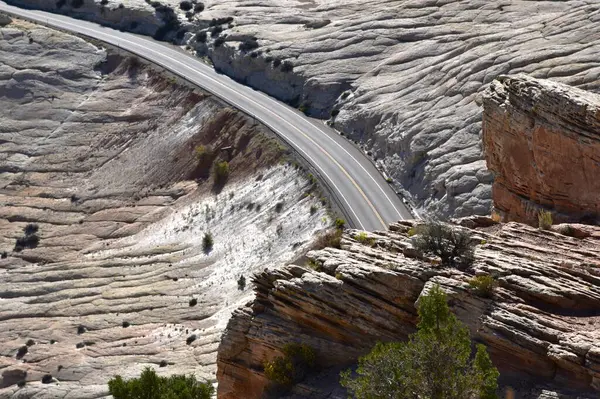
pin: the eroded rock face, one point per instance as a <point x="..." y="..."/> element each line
<point x="541" y="325"/>
<point x="100" y="153"/>
<point x="542" y="141"/>
<point x="406" y="76"/>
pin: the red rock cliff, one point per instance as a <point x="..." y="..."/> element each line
<point x="542" y="141"/>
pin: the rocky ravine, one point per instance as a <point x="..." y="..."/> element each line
<point x="542" y="141"/>
<point x="542" y="325"/>
<point x="405" y="75"/>
<point x="99" y="152"/>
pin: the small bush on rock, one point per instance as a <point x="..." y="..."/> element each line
<point x="151" y="386"/>
<point x="545" y="220"/>
<point x="46" y="379"/>
<point x="207" y="243"/>
<point x="193" y="302"/>
<point x="186" y="5"/>
<point x="297" y="361"/>
<point x="22" y="351"/>
<point x="241" y="283"/>
<point x="453" y="246"/>
<point x="221" y="172"/>
<point x="483" y="285"/>
<point x="331" y="238"/>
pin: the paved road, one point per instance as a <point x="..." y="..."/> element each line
<point x="366" y="199"/>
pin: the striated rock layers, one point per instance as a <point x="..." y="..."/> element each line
<point x="102" y="154"/>
<point x="406" y="76"/>
<point x="542" y="141"/>
<point x="541" y="325"/>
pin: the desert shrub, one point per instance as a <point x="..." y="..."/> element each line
<point x="207" y="242"/>
<point x="104" y="2"/>
<point x="27" y="241"/>
<point x="221" y="172"/>
<point x="219" y="41"/>
<point x="22" y="351"/>
<point x="81" y="329"/>
<point x="151" y="386"/>
<point x="46" y="379"/>
<point x="126" y="324"/>
<point x="241" y="283"/>
<point x="248" y="44"/>
<point x="279" y="207"/>
<point x="31" y="228"/>
<point x="30" y="342"/>
<point x="79" y="345"/>
<point x="304" y="107"/>
<point x="545" y="220"/>
<point x="340" y="223"/>
<point x="435" y="362"/>
<point x="216" y="31"/>
<point x="190" y="339"/>
<point x="331" y="238"/>
<point x="313" y="209"/>
<point x="483" y="285"/>
<point x="163" y="363"/>
<point x="186" y="5"/>
<point x="4" y="255"/>
<point x="297" y="360"/>
<point x="201" y="37"/>
<point x="276" y="62"/>
<point x="287" y="66"/>
<point x="193" y="302"/>
<point x="453" y="246"/>
<point x="199" y="7"/>
<point x="364" y="239"/>
<point x="335" y="113"/>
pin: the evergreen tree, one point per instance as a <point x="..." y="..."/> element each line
<point x="435" y="363"/>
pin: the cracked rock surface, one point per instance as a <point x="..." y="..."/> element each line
<point x="406" y="75"/>
<point x="541" y="323"/>
<point x="98" y="152"/>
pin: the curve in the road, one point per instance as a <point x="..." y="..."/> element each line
<point x="363" y="195"/>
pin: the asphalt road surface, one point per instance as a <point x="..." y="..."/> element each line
<point x="365" y="198"/>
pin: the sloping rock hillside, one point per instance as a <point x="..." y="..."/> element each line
<point x="98" y="154"/>
<point x="405" y="75"/>
<point x="542" y="141"/>
<point x="541" y="324"/>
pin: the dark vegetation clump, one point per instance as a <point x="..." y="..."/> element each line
<point x="30" y="342"/>
<point x="30" y="239"/>
<point x="190" y="339"/>
<point x="292" y="367"/>
<point x="241" y="283"/>
<point x="193" y="302"/>
<point x="46" y="379"/>
<point x="186" y="5"/>
<point x="207" y="243"/>
<point x="453" y="246"/>
<point x="287" y="66"/>
<point x="199" y="8"/>
<point x="151" y="386"/>
<point x="201" y="37"/>
<point x="331" y="238"/>
<point x="248" y="44"/>
<point x="81" y="329"/>
<point x="126" y="324"/>
<point x="22" y="351"/>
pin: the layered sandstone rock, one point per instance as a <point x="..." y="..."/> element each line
<point x="98" y="151"/>
<point x="541" y="325"/>
<point x="542" y="141"/>
<point x="405" y="75"/>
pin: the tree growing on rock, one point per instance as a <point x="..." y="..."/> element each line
<point x="453" y="246"/>
<point x="435" y="362"/>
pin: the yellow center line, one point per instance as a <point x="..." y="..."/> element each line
<point x="344" y="171"/>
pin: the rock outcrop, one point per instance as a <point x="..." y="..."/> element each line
<point x="542" y="141"/>
<point x="541" y="324"/>
<point x="100" y="153"/>
<point x="406" y="76"/>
